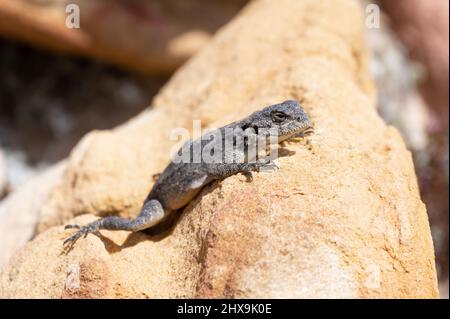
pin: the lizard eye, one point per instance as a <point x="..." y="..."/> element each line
<point x="278" y="117"/>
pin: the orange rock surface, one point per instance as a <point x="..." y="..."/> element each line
<point x="341" y="218"/>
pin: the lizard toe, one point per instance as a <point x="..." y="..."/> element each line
<point x="248" y="175"/>
<point x="73" y="238"/>
<point x="83" y="231"/>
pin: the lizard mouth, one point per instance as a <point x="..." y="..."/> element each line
<point x="307" y="131"/>
<point x="302" y="132"/>
<point x="296" y="133"/>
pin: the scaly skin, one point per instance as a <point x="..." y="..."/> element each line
<point x="180" y="182"/>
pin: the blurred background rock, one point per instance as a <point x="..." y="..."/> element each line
<point x="3" y="176"/>
<point x="421" y="30"/>
<point x="58" y="83"/>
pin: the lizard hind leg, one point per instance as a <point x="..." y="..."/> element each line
<point x="151" y="214"/>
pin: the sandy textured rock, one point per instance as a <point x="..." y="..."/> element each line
<point x="164" y="33"/>
<point x="19" y="211"/>
<point x="341" y="218"/>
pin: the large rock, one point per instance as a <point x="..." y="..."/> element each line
<point x="341" y="218"/>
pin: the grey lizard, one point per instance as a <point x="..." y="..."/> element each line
<point x="181" y="181"/>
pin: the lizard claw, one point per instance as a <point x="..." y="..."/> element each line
<point x="91" y="228"/>
<point x="72" y="239"/>
<point x="248" y="175"/>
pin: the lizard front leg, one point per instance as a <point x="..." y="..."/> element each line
<point x="260" y="166"/>
<point x="151" y="214"/>
<point x="220" y="171"/>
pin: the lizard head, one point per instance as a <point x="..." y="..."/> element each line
<point x="288" y="118"/>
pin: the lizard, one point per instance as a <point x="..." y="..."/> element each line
<point x="181" y="181"/>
